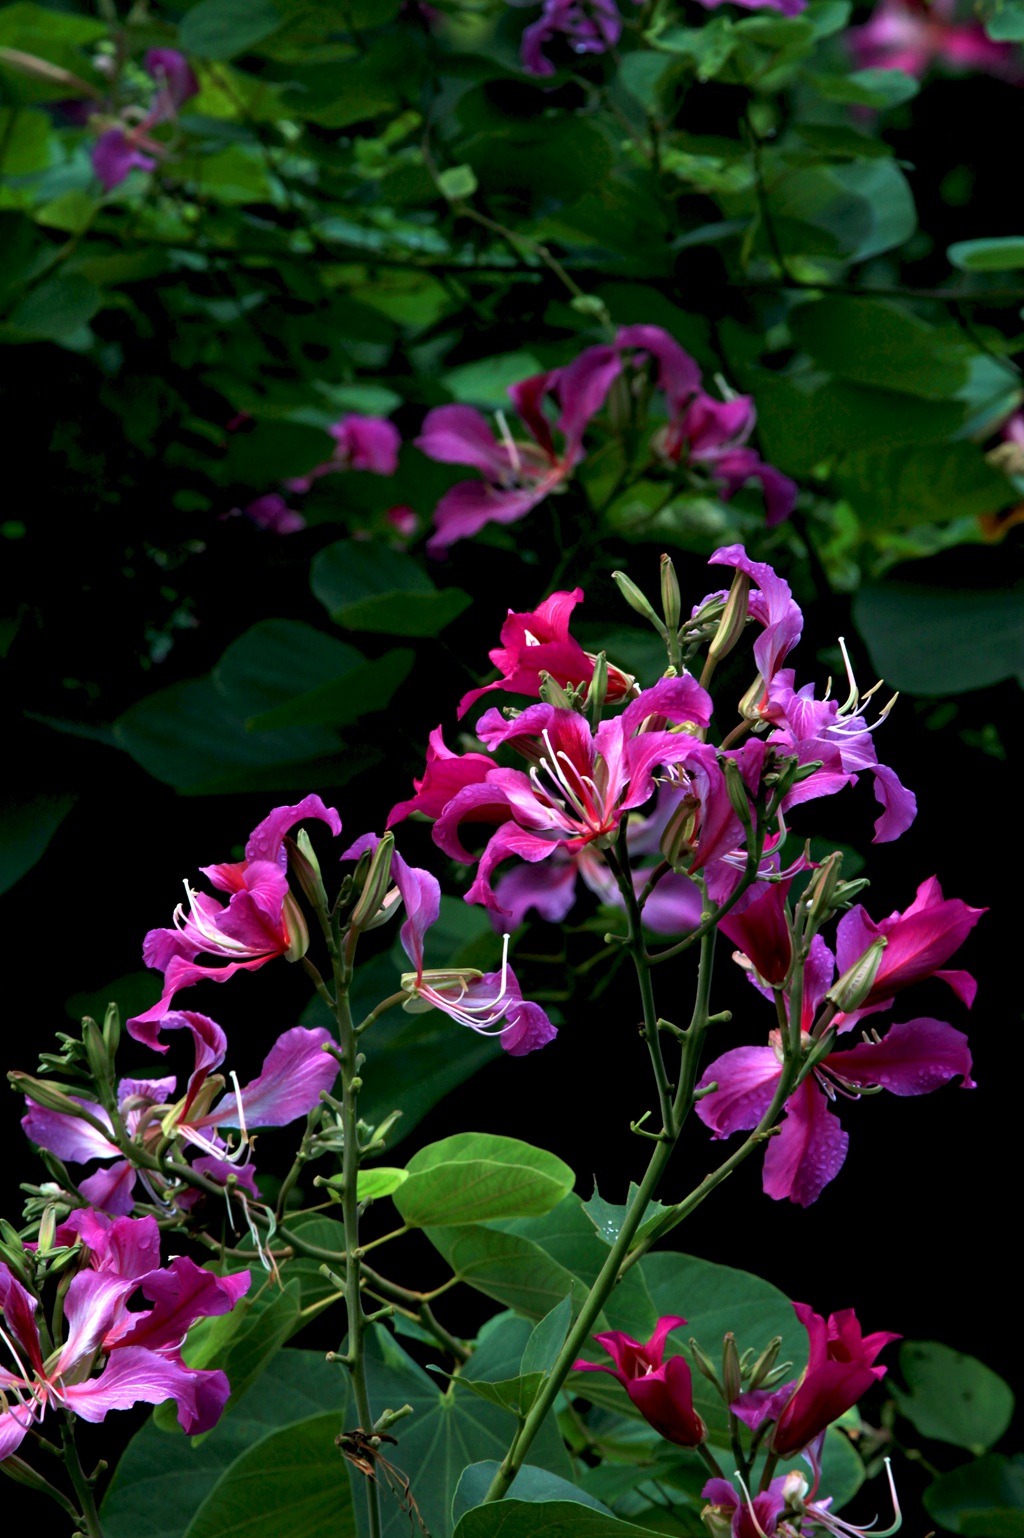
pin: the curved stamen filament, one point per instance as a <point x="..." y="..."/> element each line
<point x="206" y="929"/>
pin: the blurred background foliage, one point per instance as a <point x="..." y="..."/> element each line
<point x="373" y="208"/>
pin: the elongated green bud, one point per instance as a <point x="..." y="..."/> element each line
<point x="677" y="840"/>
<point x="112" y="1031"/>
<point x="552" y="693"/>
<point x="704" y="1365"/>
<point x="636" y="600"/>
<point x="765" y="1362"/>
<point x="295" y="926"/>
<point x="671" y="601"/>
<point x="856" y="983"/>
<point x="597" y="693"/>
<point x="732" y="1381"/>
<point x="730" y="626"/>
<point x="737" y="792"/>
<point x="305" y="867"/>
<point x="96" y="1050"/>
<point x="47" y="1230"/>
<point x="376" y="885"/>
<point x="48" y="1093"/>
<point x="821" y="890"/>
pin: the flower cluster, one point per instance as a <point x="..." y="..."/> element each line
<point x="129" y="145"/>
<point x="138" y="1351"/>
<point x="697" y="433"/>
<point x="912" y="35"/>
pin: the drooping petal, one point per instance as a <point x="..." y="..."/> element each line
<point x="115" y="156"/>
<point x="19" y="1311"/>
<point x="445" y="774"/>
<point x="136" y="1376"/>
<point x="551" y="892"/>
<point x="772" y="605"/>
<point x="68" y="1136"/>
<point x="470" y="505"/>
<point x="181" y="1293"/>
<point x="111" y="1189"/>
<point x="266" y="842"/>
<point x="528" y="1029"/>
<point x="809" y="1150"/>
<point x="460" y="435"/>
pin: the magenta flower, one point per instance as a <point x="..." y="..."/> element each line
<point x="142" y="1350"/>
<point x="840" y="1369"/>
<point x="295" y="1073"/>
<point x="713" y="434"/>
<point x="588" y="26"/>
<point x="757" y="926"/>
<point x="361" y="443"/>
<point x="581" y="783"/>
<point x="759" y="1518"/>
<point x="772" y="605"/>
<point x="517" y="473"/>
<point x="120" y="149"/>
<point x="271" y="512"/>
<point x="260" y="921"/>
<point x="661" y="1391"/>
<point x="919" y="941"/>
<point x="539" y="642"/>
<point x="479" y="1000"/>
<point x="913" y="1058"/>
<point x="446" y="773"/>
<point x="912" y="35"/>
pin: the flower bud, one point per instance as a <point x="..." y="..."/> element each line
<point x="732" y="1381"/>
<point x="47" y="1230"/>
<point x="597" y="691"/>
<point x="718" y="1520"/>
<point x="730" y="626"/>
<point x="95" y="1050"/>
<point x="671" y="602"/>
<point x="737" y="791"/>
<point x="636" y="600"/>
<point x="765" y="1362"/>
<point x="112" y="1032"/>
<point x="676" y="843"/>
<point x="552" y="693"/>
<point x="376" y="885"/>
<point x="30" y="65"/>
<point x="704" y="1365"/>
<point x="822" y="887"/>
<point x="305" y="867"/>
<point x="750" y="705"/>
<point x="295" y="928"/>
<point x="53" y="1096"/>
<point x="850" y="991"/>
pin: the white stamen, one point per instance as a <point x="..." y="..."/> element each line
<point x="511" y="447"/>
<point x="241" y="1109"/>
<point x="750" y="1506"/>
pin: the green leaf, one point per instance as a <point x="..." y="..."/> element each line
<point x="952" y="1397"/>
<point x="358" y="692"/>
<point x="220" y="29"/>
<point x="238" y="174"/>
<point x="547" y="1339"/>
<point x="25" y="135"/>
<point x="547" y="1519"/>
<point x="641" y="74"/>
<point x="708" y="47"/>
<point x="364" y="586"/>
<point x="997" y="253"/>
<point x="908" y="628"/>
<point x="1007" y="25"/>
<point x="530" y="1484"/>
<point x="73" y="211"/>
<point x="508" y="1268"/>
<point x="486" y="382"/>
<point x="26" y="828"/>
<point x="471" y="1177"/>
<point x="457" y="182"/>
<point x="161" y="1481"/>
<point x="513" y="1394"/>
<point x="380" y="1180"/>
<point x="54" y="311"/>
<point x="448" y="1430"/>
<point x="291" y="1484"/>
<point x="608" y="1219"/>
<point x="982" y="1499"/>
<point x="270" y="451"/>
<point x="878" y="88"/>
<point x="902" y="487"/>
<point x="874" y="342"/>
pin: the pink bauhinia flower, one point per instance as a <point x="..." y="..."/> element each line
<point x="445" y="774"/>
<point x="913" y="1058"/>
<point x="260" y="921"/>
<point x="912" y="35"/>
<point x="539" y="642"/>
<point x="581" y="783"/>
<point x="271" y="512"/>
<point x="295" y="1073"/>
<point x="479" y="1000"/>
<point x="919" y="940"/>
<point x="517" y="473"/>
<point x="361" y="443"/>
<point x="662" y="1391"/>
<point x="840" y="1370"/>
<point x="588" y="26"/>
<point x="142" y="1349"/>
<point x="129" y="146"/>
<point x="748" y="1518"/>
<point x="771" y="605"/>
<point x="713" y="434"/>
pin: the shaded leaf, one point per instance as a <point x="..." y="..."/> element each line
<point x="981" y="1499"/>
<point x="26" y="828"/>
<point x="472" y="1177"/>
<point x="952" y="1397"/>
<point x="908" y="627"/>
<point x="364" y="586"/>
<point x="530" y="1484"/>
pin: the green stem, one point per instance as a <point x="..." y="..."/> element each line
<point x="355" y="1358"/>
<point x="83" y="1488"/>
